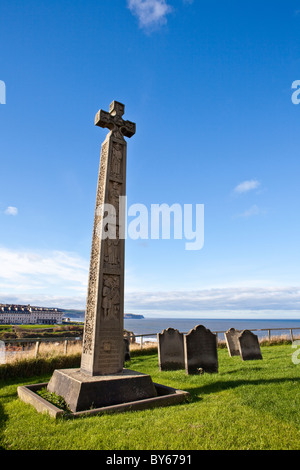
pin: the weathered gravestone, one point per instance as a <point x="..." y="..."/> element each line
<point x="200" y="351"/>
<point x="126" y="349"/>
<point x="170" y="350"/>
<point x="231" y="338"/>
<point x="2" y="352"/>
<point x="249" y="346"/>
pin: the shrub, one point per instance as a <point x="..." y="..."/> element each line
<point x="39" y="366"/>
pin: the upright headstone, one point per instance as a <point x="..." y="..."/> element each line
<point x="231" y="338"/>
<point x="200" y="351"/>
<point x="170" y="350"/>
<point x="101" y="379"/>
<point x="126" y="349"/>
<point x="2" y="352"/>
<point x="249" y="346"/>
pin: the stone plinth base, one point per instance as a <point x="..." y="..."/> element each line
<point x="82" y="392"/>
<point x="166" y="396"/>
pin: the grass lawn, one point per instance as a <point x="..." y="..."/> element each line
<point x="25" y="327"/>
<point x="247" y="405"/>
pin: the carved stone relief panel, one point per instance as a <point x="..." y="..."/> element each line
<point x="111" y="297"/>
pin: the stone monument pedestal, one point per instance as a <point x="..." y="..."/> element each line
<point x="82" y="392"/>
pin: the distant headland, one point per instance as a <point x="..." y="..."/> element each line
<point x="132" y="316"/>
<point x="80" y="314"/>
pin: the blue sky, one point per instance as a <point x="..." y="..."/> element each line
<point x="208" y="84"/>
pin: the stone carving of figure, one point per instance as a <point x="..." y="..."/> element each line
<point x="114" y="194"/>
<point x="117" y="156"/>
<point x="106" y="297"/>
<point x="112" y="251"/>
<point x="111" y="297"/>
<point x="116" y="299"/>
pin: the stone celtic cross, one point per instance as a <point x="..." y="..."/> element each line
<point x="103" y="345"/>
<point x="102" y="382"/>
<point x="114" y="122"/>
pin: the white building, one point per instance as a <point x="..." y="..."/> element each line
<point x="26" y="314"/>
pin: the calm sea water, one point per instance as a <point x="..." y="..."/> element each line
<point x="156" y="325"/>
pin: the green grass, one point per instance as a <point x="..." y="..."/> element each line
<point x="25" y="327"/>
<point x="53" y="398"/>
<point x="247" y="405"/>
<point x="15" y="332"/>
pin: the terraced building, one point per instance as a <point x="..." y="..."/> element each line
<point x="27" y="314"/>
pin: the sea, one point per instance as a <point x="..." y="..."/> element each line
<point x="152" y="326"/>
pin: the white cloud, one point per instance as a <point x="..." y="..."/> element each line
<point x="59" y="279"/>
<point x="254" y="210"/>
<point x="32" y="275"/>
<point x="220" y="299"/>
<point x="64" y="302"/>
<point x="11" y="211"/>
<point x="225" y="301"/>
<point x="246" y="186"/>
<point x="16" y="264"/>
<point x="150" y="12"/>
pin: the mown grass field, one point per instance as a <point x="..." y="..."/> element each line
<point x="247" y="405"/>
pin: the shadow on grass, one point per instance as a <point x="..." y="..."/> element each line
<point x="3" y="419"/>
<point x="241" y="370"/>
<point x="221" y="386"/>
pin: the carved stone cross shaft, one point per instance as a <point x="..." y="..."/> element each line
<point x="103" y="345"/>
